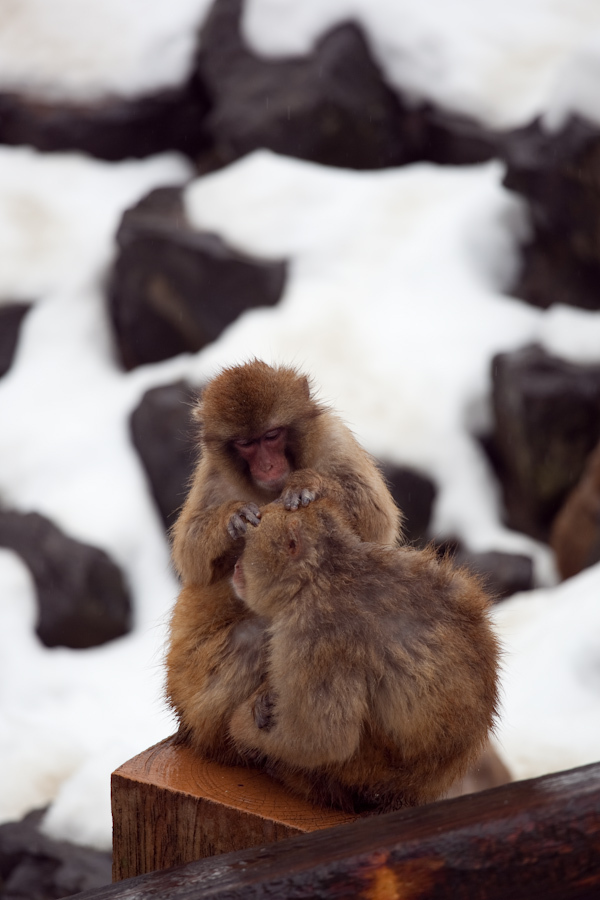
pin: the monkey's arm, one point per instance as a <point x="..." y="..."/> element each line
<point x="359" y="493"/>
<point x="206" y="536"/>
<point x="216" y="657"/>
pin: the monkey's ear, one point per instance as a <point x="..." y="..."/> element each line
<point x="293" y="540"/>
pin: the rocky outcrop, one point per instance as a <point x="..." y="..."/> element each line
<point x="11" y="319"/>
<point x="559" y="177"/>
<point x="113" y="128"/>
<point x="35" y="867"/>
<point x="163" y="435"/>
<point x="413" y="493"/>
<point x="174" y="289"/>
<point x="547" y="421"/>
<point x="81" y="594"/>
<point x="332" y="106"/>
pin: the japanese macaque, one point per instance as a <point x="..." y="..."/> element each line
<point x="575" y="535"/>
<point x="262" y="436"/>
<point x="382" y="664"/>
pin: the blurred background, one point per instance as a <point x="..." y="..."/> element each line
<point x="400" y="199"/>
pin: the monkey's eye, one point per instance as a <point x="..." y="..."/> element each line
<point x="272" y="435"/>
<point x="243" y="443"/>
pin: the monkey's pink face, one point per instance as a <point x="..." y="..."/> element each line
<point x="265" y="455"/>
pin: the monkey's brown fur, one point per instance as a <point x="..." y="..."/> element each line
<point x="382" y="665"/>
<point x="575" y="535"/>
<point x="216" y="645"/>
<point x="246" y="401"/>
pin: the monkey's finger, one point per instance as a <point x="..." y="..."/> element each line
<point x="236" y="526"/>
<point x="291" y="499"/>
<point x="307" y="496"/>
<point x="250" y="515"/>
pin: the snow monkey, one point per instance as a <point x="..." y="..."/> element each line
<point x="382" y="664"/>
<point x="262" y="435"/>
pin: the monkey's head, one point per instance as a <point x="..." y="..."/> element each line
<point x="258" y="420"/>
<point x="289" y="550"/>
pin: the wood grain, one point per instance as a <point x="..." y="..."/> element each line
<point x="171" y="806"/>
<point x="530" y="839"/>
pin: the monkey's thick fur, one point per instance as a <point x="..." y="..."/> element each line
<point x="382" y="665"/>
<point x="217" y="645"/>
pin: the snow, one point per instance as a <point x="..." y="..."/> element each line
<point x="395" y="304"/>
<point x="502" y="63"/>
<point x="74" y="51"/>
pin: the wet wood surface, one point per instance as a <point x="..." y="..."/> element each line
<point x="529" y="839"/>
<point x="171" y="806"/>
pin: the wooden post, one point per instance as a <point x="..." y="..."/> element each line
<point x="171" y="806"/>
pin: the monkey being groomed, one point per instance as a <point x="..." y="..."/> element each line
<point x="381" y="670"/>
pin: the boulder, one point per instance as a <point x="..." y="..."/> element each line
<point x="332" y="106"/>
<point x="174" y="289"/>
<point x="503" y="574"/>
<point x="547" y="421"/>
<point x="11" y="319"/>
<point x="36" y="867"/>
<point x="575" y="534"/>
<point x="81" y="594"/>
<point x="413" y="493"/>
<point x="113" y="128"/>
<point x="558" y="174"/>
<point x="162" y="433"/>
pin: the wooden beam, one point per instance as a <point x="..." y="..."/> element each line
<point x="171" y="806"/>
<point x="536" y="838"/>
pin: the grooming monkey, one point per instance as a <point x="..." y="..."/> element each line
<point x="262" y="436"/>
<point x="382" y="665"/>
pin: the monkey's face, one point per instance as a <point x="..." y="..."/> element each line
<point x="266" y="458"/>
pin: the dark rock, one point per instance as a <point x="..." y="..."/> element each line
<point x="35" y="867"/>
<point x="575" y="535"/>
<point x="559" y="176"/>
<point x="11" y="318"/>
<point x="503" y="574"/>
<point x="331" y="107"/>
<point x="414" y="494"/>
<point x="82" y="598"/>
<point x="547" y="420"/>
<point x="162" y="433"/>
<point x="111" y="129"/>
<point x="455" y="140"/>
<point x="174" y="289"/>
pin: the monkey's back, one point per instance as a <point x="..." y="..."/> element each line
<point x="418" y="629"/>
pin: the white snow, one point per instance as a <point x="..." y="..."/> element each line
<point x="77" y="51"/>
<point x="503" y="63"/>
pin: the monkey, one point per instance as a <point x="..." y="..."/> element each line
<point x="382" y="663"/>
<point x="575" y="533"/>
<point x="262" y="435"/>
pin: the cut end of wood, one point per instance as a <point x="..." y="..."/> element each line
<point x="172" y="806"/>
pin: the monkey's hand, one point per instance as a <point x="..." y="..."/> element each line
<point x="302" y="488"/>
<point x="263" y="711"/>
<point x="237" y="526"/>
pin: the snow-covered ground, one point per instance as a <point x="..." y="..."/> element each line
<point x="394" y="303"/>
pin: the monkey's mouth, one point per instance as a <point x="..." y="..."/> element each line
<point x="273" y="487"/>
